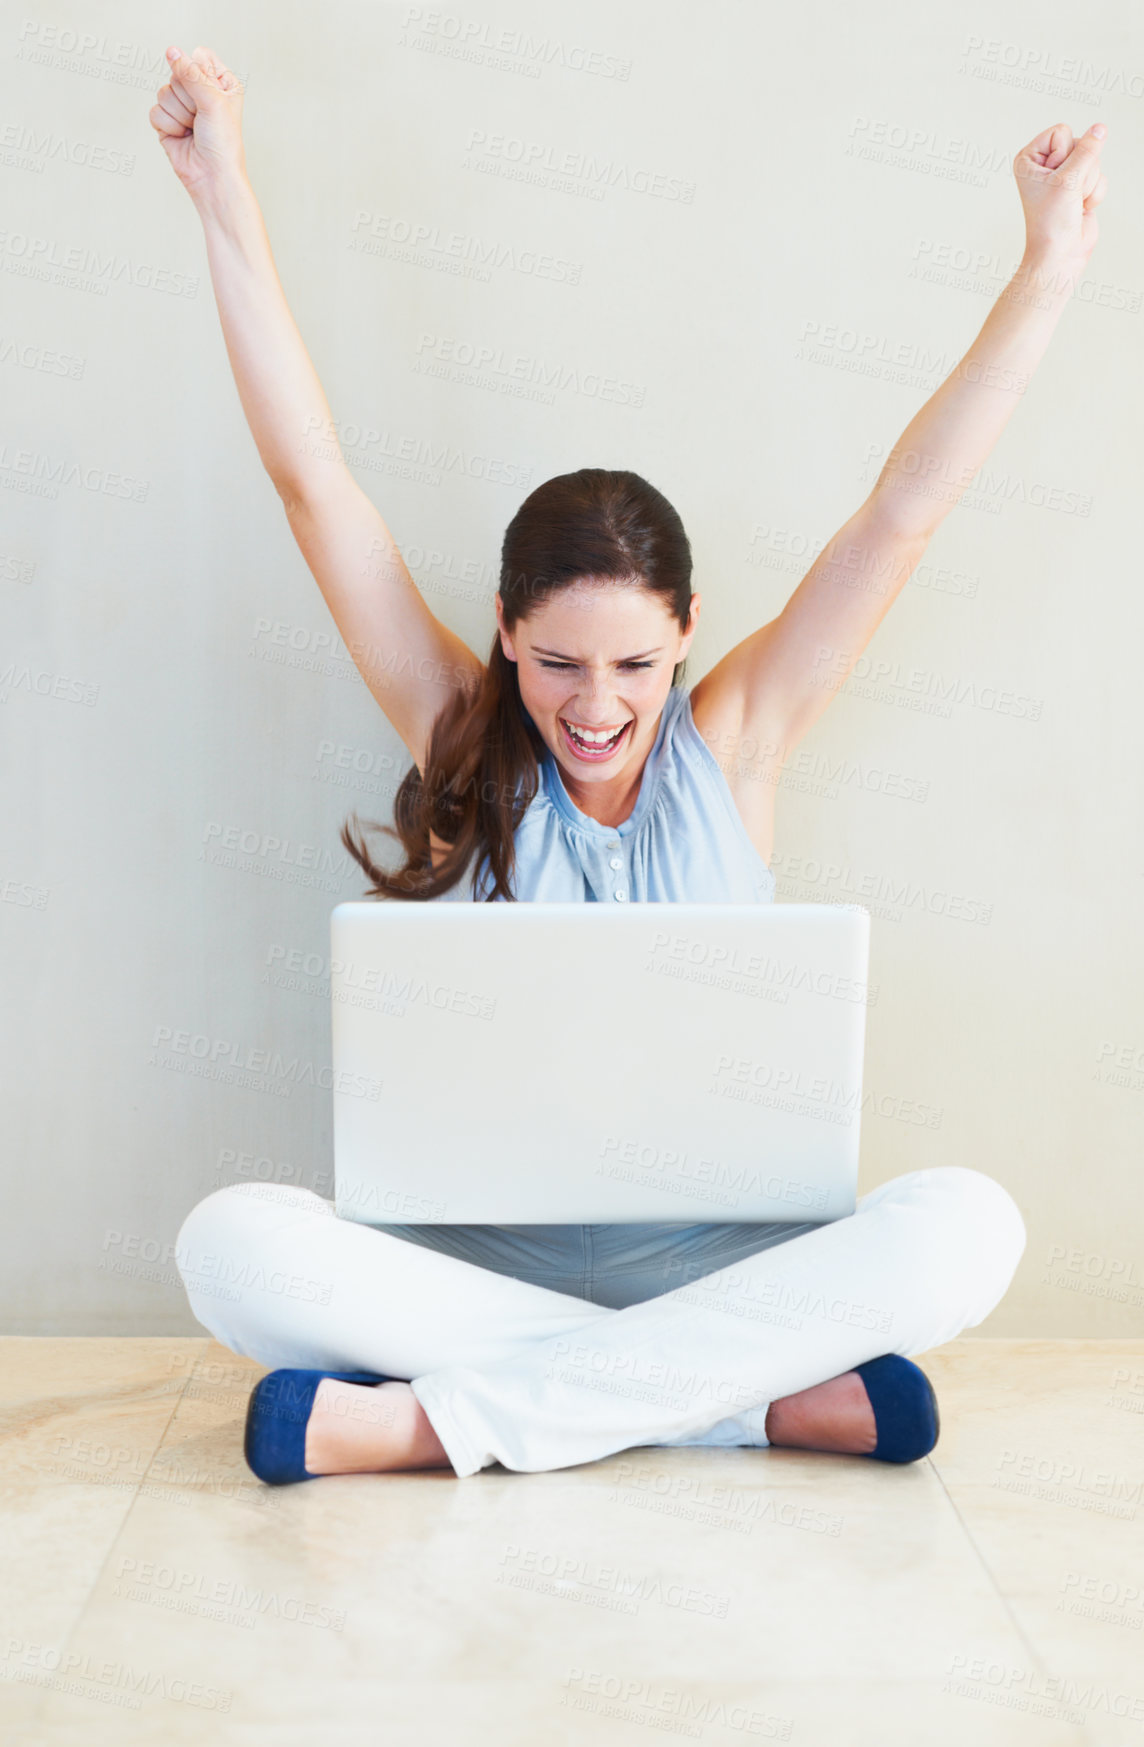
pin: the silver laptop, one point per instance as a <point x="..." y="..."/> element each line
<point x="576" y="1063"/>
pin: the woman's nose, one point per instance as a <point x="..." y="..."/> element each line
<point x="597" y="689"/>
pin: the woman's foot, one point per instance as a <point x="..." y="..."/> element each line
<point x="835" y="1416"/>
<point x="362" y="1428"/>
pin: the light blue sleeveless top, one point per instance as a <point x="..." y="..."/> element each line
<point x="683" y="842"/>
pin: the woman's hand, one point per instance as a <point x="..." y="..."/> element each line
<point x="1061" y="184"/>
<point x="198" y="119"/>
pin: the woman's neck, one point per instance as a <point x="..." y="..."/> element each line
<point x="610" y="803"/>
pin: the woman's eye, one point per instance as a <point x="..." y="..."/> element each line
<point x="562" y="666"/>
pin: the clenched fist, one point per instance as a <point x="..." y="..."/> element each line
<point x="1061" y="184"/>
<point x="198" y="118"/>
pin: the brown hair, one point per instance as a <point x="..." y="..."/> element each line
<point x="481" y="767"/>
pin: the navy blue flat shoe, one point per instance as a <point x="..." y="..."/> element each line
<point x="274" y="1442"/>
<point x="905" y="1408"/>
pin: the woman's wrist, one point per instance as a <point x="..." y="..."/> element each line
<point x="1048" y="272"/>
<point x="225" y="199"/>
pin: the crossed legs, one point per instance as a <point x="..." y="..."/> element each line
<point x="505" y="1371"/>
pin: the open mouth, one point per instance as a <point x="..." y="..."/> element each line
<point x="592" y="751"/>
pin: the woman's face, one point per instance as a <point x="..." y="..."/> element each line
<point x="596" y="659"/>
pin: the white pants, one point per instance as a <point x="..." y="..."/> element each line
<point x="511" y="1371"/>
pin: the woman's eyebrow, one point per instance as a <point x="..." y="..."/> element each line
<point x="537" y="650"/>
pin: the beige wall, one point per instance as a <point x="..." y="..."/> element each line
<point x="772" y="283"/>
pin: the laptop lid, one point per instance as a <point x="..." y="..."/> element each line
<point x="579" y="1063"/>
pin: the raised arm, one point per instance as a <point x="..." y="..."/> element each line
<point x="410" y="661"/>
<point x="776" y="683"/>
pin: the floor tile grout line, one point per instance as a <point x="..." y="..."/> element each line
<point x="994" y="1584"/>
<point x="1031" y="1649"/>
<point x="123" y="1521"/>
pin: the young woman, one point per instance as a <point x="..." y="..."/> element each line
<point x="573" y="765"/>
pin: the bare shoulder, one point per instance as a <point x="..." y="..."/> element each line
<point x="718" y="714"/>
<point x="750" y="759"/>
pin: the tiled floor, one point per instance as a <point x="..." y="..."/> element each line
<point x="991" y="1595"/>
